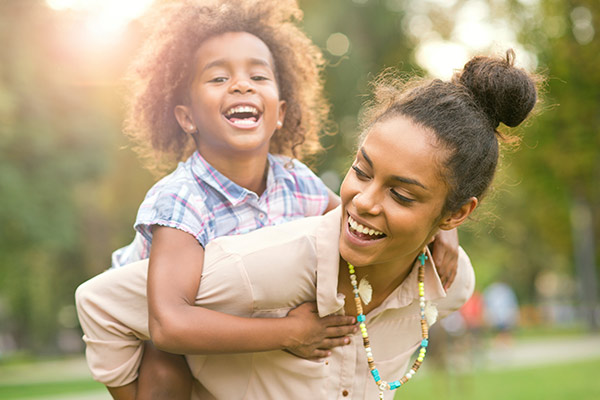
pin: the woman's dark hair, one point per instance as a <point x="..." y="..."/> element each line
<point x="161" y="73"/>
<point x="464" y="115"/>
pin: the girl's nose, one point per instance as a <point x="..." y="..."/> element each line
<point x="242" y="85"/>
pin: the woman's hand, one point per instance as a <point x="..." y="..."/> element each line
<point x="316" y="336"/>
<point x="444" y="250"/>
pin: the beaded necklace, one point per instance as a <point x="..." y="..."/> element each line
<point x="383" y="385"/>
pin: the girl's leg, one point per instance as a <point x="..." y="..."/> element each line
<point x="126" y="392"/>
<point x="163" y="376"/>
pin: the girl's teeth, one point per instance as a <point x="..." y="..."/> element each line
<point x="249" y="121"/>
<point x="242" y="109"/>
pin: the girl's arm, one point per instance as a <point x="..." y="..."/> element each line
<point x="178" y="326"/>
<point x="334" y="201"/>
<point x="444" y="250"/>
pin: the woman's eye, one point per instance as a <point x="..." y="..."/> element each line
<point x="400" y="198"/>
<point x="360" y="174"/>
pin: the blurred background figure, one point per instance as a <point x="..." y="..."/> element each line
<point x="501" y="311"/>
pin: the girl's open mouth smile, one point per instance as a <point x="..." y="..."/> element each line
<point x="243" y="116"/>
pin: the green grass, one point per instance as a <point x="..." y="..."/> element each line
<point x="579" y="381"/>
<point x="36" y="390"/>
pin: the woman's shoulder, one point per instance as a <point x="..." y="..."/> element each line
<point x="303" y="230"/>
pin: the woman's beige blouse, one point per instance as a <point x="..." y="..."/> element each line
<point x="264" y="274"/>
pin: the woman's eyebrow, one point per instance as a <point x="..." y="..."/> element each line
<point x="366" y="157"/>
<point x="402" y="179"/>
<point x="408" y="181"/>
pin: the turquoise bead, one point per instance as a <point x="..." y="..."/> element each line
<point x="375" y="374"/>
<point x="360" y="317"/>
<point x="395" y="385"/>
<point x="424" y="343"/>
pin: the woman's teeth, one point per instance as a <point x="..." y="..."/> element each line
<point x="363" y="229"/>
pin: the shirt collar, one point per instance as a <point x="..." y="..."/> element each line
<point x="234" y="193"/>
<point x="328" y="261"/>
<point x="328" y="301"/>
<point x="278" y="169"/>
<point x="408" y="290"/>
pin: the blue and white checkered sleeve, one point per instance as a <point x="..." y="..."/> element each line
<point x="174" y="206"/>
<point x="310" y="190"/>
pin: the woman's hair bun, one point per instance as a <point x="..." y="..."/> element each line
<point x="505" y="93"/>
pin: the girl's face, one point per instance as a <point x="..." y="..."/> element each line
<point x="393" y="195"/>
<point x="234" y="100"/>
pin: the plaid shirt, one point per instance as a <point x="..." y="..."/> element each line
<point x="201" y="201"/>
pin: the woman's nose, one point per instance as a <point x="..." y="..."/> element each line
<point x="367" y="201"/>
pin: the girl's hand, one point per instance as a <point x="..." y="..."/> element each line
<point x="316" y="336"/>
<point x="444" y="250"/>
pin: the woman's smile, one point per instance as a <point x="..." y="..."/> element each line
<point x="363" y="234"/>
<point x="392" y="196"/>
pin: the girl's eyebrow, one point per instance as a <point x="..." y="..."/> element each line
<point x="223" y="62"/>
<point x="398" y="178"/>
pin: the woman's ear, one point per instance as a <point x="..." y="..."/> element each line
<point x="183" y="115"/>
<point x="453" y="220"/>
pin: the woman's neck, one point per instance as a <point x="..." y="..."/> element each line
<point x="384" y="279"/>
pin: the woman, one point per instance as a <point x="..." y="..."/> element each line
<point x="427" y="156"/>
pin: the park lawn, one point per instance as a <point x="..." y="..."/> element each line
<point x="39" y="390"/>
<point x="580" y="380"/>
<point x="556" y="382"/>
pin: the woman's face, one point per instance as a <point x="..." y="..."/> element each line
<point x="393" y="195"/>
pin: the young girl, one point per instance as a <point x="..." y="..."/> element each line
<point x="428" y="154"/>
<point x="225" y="85"/>
<point x="226" y="82"/>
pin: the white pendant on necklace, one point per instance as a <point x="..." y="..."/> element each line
<point x="365" y="291"/>
<point x="431" y="313"/>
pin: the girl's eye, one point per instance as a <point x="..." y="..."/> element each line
<point x="259" y="78"/>
<point x="360" y="174"/>
<point x="400" y="198"/>
<point x="218" y="79"/>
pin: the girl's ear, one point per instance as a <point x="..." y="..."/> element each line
<point x="281" y="117"/>
<point x="183" y="114"/>
<point x="453" y="220"/>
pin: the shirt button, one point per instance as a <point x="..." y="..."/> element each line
<point x="345" y="393"/>
<point x="261" y="216"/>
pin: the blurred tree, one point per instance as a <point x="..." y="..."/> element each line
<point x="562" y="169"/>
<point x="359" y="39"/>
<point x="58" y="138"/>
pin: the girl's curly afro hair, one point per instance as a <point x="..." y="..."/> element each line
<point x="160" y="75"/>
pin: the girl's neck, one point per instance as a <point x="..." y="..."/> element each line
<point x="248" y="172"/>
